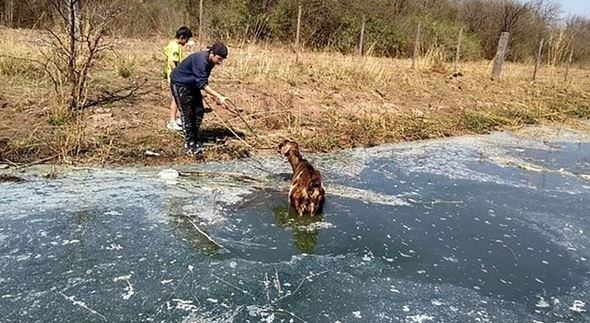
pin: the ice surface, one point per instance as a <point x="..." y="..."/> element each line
<point x="471" y="229"/>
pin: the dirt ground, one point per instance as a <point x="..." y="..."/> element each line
<point x="325" y="101"/>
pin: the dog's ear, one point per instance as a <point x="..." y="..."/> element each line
<point x="280" y="147"/>
<point x="284" y="147"/>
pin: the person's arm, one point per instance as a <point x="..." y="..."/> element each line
<point x="174" y="59"/>
<point x="172" y="56"/>
<point x="220" y="98"/>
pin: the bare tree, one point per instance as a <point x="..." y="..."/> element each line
<point x="76" y="46"/>
<point x="547" y="11"/>
<point x="399" y="6"/>
<point x="578" y="28"/>
<point x="512" y="11"/>
<point x="24" y="14"/>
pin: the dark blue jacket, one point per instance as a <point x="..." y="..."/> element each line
<point x="193" y="71"/>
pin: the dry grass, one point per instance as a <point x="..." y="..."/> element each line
<point x="18" y="59"/>
<point x="324" y="100"/>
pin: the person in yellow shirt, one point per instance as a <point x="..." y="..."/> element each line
<point x="174" y="55"/>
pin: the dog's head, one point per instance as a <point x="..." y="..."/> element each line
<point x="288" y="146"/>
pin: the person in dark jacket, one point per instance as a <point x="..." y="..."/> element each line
<point x="186" y="82"/>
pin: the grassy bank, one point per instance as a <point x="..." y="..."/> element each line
<point x="325" y="101"/>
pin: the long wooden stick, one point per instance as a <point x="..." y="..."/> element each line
<point x="230" y="128"/>
<point x="242" y="118"/>
<point x="220" y="174"/>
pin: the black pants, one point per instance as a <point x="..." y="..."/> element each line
<point x="189" y="101"/>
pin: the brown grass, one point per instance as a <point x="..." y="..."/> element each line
<point x="326" y="101"/>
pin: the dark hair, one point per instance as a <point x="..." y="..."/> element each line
<point x="218" y="48"/>
<point x="184" y="32"/>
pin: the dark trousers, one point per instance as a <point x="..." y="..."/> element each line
<point x="189" y="101"/>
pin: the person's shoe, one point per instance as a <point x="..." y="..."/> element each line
<point x="178" y="121"/>
<point x="194" y="149"/>
<point x="173" y="126"/>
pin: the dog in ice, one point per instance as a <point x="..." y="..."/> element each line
<point x="306" y="194"/>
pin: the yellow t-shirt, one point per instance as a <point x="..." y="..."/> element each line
<point x="173" y="53"/>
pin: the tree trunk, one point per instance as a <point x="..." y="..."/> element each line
<point x="73" y="23"/>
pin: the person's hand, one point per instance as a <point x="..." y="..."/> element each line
<point x="222" y="100"/>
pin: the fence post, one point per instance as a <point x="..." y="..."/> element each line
<point x="297" y="35"/>
<point x="416" y="45"/>
<point x="9" y="13"/>
<point x="538" y="58"/>
<point x="569" y="63"/>
<point x="298" y="27"/>
<point x="200" y="23"/>
<point x="361" y="41"/>
<point x="500" y="55"/>
<point x="458" y="52"/>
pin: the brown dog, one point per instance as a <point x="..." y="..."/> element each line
<point x="307" y="193"/>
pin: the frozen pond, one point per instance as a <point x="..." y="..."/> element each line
<point x="471" y="229"/>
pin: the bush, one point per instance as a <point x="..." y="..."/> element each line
<point x="125" y="66"/>
<point x="335" y="24"/>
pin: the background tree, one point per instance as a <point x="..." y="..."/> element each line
<point x="335" y="24"/>
<point x="76" y="40"/>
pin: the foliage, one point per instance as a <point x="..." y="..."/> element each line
<point x="336" y="24"/>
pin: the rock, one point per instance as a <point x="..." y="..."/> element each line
<point x="151" y="153"/>
<point x="418" y="113"/>
<point x="6" y="178"/>
<point x="169" y="174"/>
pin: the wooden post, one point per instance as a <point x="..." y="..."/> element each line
<point x="538" y="58"/>
<point x="361" y="41"/>
<point x="458" y="52"/>
<point x="9" y="13"/>
<point x="200" y="23"/>
<point x="416" y="45"/>
<point x="298" y="34"/>
<point x="500" y="55"/>
<point x="569" y="63"/>
<point x="298" y="27"/>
